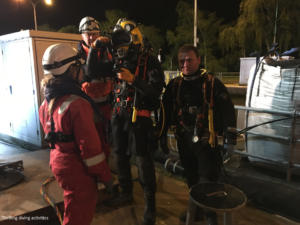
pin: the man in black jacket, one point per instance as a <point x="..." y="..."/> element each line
<point x="139" y="84"/>
<point x="200" y="107"/>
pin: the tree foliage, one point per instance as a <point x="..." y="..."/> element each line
<point x="46" y="27"/>
<point x="208" y="28"/>
<point x="112" y="17"/>
<point x="255" y="26"/>
<point x="69" y="29"/>
<point x="153" y="34"/>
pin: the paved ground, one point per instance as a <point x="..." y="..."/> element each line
<point x="172" y="199"/>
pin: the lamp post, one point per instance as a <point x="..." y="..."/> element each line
<point x="48" y="2"/>
<point x="195" y="25"/>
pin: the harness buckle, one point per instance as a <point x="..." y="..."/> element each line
<point x="193" y="110"/>
<point x="123" y="103"/>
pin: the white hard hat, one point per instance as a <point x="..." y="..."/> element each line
<point x="88" y="25"/>
<point x="57" y="58"/>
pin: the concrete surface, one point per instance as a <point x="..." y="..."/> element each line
<point x="172" y="198"/>
<point x="25" y="198"/>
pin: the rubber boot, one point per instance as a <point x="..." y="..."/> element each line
<point x="199" y="215"/>
<point x="211" y="218"/>
<point x="121" y="199"/>
<point x="125" y="182"/>
<point x="147" y="180"/>
<point x="149" y="216"/>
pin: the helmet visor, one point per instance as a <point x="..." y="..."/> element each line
<point x="120" y="38"/>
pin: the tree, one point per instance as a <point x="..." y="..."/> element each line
<point x="46" y="27"/>
<point x="112" y="17"/>
<point x="208" y="28"/>
<point x="69" y="29"/>
<point x="255" y="26"/>
<point x="152" y="33"/>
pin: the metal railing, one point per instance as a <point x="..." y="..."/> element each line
<point x="220" y="75"/>
<point x="291" y="138"/>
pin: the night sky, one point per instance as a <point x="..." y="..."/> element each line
<point x="18" y="14"/>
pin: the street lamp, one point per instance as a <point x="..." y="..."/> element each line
<point x="195" y="25"/>
<point x="48" y="2"/>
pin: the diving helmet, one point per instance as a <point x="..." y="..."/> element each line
<point x="126" y="39"/>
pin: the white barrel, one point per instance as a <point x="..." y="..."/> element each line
<point x="278" y="89"/>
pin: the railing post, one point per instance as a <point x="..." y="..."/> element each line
<point x="292" y="141"/>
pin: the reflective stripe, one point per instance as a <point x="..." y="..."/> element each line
<point x="67" y="102"/>
<point x="94" y="160"/>
<point x="101" y="99"/>
<point x="44" y="102"/>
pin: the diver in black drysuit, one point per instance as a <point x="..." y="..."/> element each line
<point x="141" y="87"/>
<point x="183" y="101"/>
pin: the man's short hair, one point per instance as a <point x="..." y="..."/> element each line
<point x="186" y="48"/>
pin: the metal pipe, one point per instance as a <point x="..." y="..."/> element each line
<point x="291" y="149"/>
<point x="266" y="135"/>
<point x="266" y="159"/>
<point x="171" y="164"/>
<point x="285" y="113"/>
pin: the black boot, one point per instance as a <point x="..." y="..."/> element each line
<point x="211" y="218"/>
<point x="148" y="182"/>
<point x="121" y="199"/>
<point x="125" y="182"/>
<point x="199" y="215"/>
<point x="149" y="216"/>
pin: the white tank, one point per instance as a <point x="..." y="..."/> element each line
<point x="278" y="89"/>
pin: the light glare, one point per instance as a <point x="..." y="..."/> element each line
<point x="48" y="2"/>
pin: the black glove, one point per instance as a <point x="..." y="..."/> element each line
<point x="108" y="186"/>
<point x="101" y="42"/>
<point x="164" y="145"/>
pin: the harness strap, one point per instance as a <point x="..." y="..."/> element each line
<point x="210" y="78"/>
<point x="52" y="139"/>
<point x="142" y="62"/>
<point x="53" y="136"/>
<point x="204" y="92"/>
<point x="177" y="82"/>
<point x="212" y="91"/>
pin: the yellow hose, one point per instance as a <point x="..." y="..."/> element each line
<point x="134" y="115"/>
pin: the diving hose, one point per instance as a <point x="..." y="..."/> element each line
<point x="49" y="200"/>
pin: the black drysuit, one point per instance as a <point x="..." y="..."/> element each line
<point x="183" y="102"/>
<point x="128" y="137"/>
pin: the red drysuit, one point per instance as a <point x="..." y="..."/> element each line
<point x="76" y="165"/>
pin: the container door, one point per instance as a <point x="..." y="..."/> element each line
<point x="5" y="117"/>
<point x="19" y="72"/>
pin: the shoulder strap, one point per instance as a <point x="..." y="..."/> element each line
<point x="208" y="78"/>
<point x="175" y="86"/>
<point x="176" y="89"/>
<point x="141" y="69"/>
